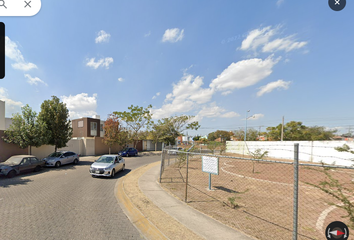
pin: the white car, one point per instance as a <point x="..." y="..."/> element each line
<point x="107" y="166"/>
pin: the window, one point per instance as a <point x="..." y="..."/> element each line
<point x="34" y="160"/>
<point x="101" y="127"/>
<point x="93" y="129"/>
<point x="80" y="124"/>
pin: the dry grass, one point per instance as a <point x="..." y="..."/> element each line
<point x="264" y="198"/>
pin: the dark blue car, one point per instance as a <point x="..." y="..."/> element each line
<point x="127" y="152"/>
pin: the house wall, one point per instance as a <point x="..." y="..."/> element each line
<point x="42" y="151"/>
<point x="7" y="150"/>
<point x="309" y="151"/>
<point x="8" y="122"/>
<point x="101" y="148"/>
<point x="79" y="131"/>
<point x="89" y="146"/>
<point x="149" y="145"/>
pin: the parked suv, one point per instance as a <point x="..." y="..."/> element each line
<point x="57" y="159"/>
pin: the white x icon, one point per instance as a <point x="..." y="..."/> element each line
<point x="337" y="2"/>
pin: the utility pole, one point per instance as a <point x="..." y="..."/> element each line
<point x="282" y="130"/>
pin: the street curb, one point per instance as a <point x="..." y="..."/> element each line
<point x="145" y="227"/>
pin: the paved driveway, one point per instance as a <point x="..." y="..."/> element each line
<point x="65" y="203"/>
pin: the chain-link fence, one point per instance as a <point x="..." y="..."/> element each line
<point x="263" y="197"/>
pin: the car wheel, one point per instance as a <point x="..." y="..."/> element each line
<point x="76" y="161"/>
<point x="37" y="168"/>
<point x="113" y="172"/>
<point x="123" y="168"/>
<point x="93" y="176"/>
<point x="11" y="174"/>
<point x="57" y="164"/>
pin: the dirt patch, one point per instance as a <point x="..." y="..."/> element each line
<point x="165" y="223"/>
<point x="255" y="197"/>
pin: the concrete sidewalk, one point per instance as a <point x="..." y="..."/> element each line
<point x="158" y="215"/>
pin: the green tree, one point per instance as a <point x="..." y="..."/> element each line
<point x="114" y="132"/>
<point x="136" y="119"/>
<point x="26" y="130"/>
<point x="252" y="134"/>
<point x="296" y="131"/>
<point x="157" y="132"/>
<point x="56" y="117"/>
<point x="174" y="127"/>
<point x="196" y="138"/>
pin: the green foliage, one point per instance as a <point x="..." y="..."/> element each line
<point x="136" y="119"/>
<point x="224" y="135"/>
<point x="222" y="148"/>
<point x="336" y="189"/>
<point x="56" y="117"/>
<point x="233" y="203"/>
<point x="26" y="130"/>
<point x="196" y="138"/>
<point x="213" y="145"/>
<point x="296" y="131"/>
<point x="173" y="127"/>
<point x="259" y="155"/>
<point x="344" y="148"/>
<point x="114" y="132"/>
<point x="252" y="134"/>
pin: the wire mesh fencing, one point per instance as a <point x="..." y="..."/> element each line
<point x="264" y="198"/>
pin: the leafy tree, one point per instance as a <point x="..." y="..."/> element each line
<point x="296" y="131"/>
<point x="56" y="116"/>
<point x="259" y="155"/>
<point x="174" y="127"/>
<point x="213" y="145"/>
<point x="252" y="134"/>
<point x="26" y="130"/>
<point x="114" y="132"/>
<point x="136" y="119"/>
<point x="157" y="132"/>
<point x="224" y="135"/>
<point x="196" y="138"/>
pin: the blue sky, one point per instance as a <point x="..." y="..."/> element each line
<point x="211" y="59"/>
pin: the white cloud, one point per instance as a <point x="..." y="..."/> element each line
<point x="243" y="74"/>
<point x="103" y="62"/>
<point x="187" y="94"/>
<point x="226" y="93"/>
<point x="147" y="34"/>
<point x="280" y="84"/>
<point x="262" y="37"/>
<point x="286" y="44"/>
<point x="34" y="80"/>
<point x="12" y="52"/>
<point x="173" y="35"/>
<point x="258" y="37"/>
<point x="157" y="94"/>
<point x="11" y="106"/>
<point x="214" y="111"/>
<point x="102" y="36"/>
<point x="256" y="116"/>
<point x="280" y="2"/>
<point x="120" y="79"/>
<point x="81" y="105"/>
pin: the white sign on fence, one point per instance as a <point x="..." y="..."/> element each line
<point x="210" y="165"/>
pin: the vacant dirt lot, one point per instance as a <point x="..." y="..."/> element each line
<point x="256" y="197"/>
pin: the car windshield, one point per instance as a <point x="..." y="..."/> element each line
<point x="105" y="159"/>
<point x="125" y="149"/>
<point x="14" y="160"/>
<point x="55" y="154"/>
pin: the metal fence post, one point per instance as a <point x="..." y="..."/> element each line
<point x="162" y="164"/>
<point x="185" y="192"/>
<point x="296" y="190"/>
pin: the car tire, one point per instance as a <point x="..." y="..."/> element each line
<point x="37" y="168"/>
<point x="11" y="174"/>
<point x="57" y="164"/>
<point x="123" y="168"/>
<point x="113" y="173"/>
<point x="76" y="162"/>
<point x="93" y="176"/>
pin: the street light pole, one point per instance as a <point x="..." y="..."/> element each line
<point x="246" y="125"/>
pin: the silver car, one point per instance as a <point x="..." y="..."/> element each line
<point x="57" y="159"/>
<point x="107" y="166"/>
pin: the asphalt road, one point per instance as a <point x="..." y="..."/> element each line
<point x="65" y="203"/>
